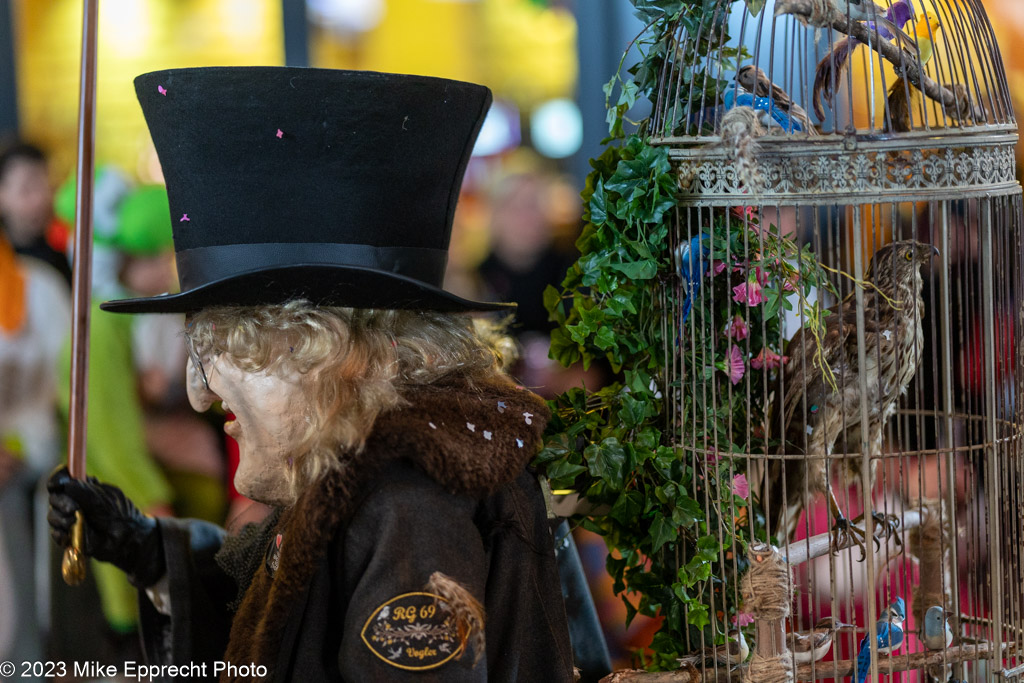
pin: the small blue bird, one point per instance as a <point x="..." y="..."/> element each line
<point x="889" y="639"/>
<point x="937" y="634"/>
<point x="692" y="263"/>
<point x="771" y="114"/>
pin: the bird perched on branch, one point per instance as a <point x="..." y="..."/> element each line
<point x="821" y="405"/>
<point x="937" y="634"/>
<point x="731" y="653"/>
<point x="770" y="113"/>
<point x="821" y="13"/>
<point x="905" y="98"/>
<point x="889" y="637"/>
<point x="813" y="645"/>
<point x="756" y="81"/>
<point x="829" y="73"/>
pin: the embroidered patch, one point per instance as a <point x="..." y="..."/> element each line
<point x="273" y="558"/>
<point x="413" y="631"/>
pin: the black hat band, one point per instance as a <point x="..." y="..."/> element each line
<point x="202" y="265"/>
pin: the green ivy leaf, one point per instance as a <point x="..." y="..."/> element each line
<point x="627" y="507"/>
<point x="598" y="205"/>
<point x="563" y="348"/>
<point x="687" y="512"/>
<point x="607" y="461"/>
<point x="638" y="270"/>
<point x="661" y="532"/>
<point x="697" y="615"/>
<point x="632" y="412"/>
<point x="605" y="338"/>
<point x="562" y="474"/>
<point x="755" y="6"/>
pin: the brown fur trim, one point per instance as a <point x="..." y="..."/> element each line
<point x="468" y="612"/>
<point x="460" y="435"/>
<point x="460" y="458"/>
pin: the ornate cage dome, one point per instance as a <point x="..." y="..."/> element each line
<point x="846" y="327"/>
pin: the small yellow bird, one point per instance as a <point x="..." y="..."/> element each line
<point x="900" y="106"/>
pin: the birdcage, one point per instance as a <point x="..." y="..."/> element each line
<point x="845" y="332"/>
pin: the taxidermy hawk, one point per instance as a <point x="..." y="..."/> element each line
<point x="821" y="410"/>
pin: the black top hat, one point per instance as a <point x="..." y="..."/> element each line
<point x="334" y="186"/>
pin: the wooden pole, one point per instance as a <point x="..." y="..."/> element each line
<point x="73" y="567"/>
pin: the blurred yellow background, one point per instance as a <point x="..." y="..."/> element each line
<point x="524" y="51"/>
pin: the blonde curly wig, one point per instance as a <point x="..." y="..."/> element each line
<point x="354" y="363"/>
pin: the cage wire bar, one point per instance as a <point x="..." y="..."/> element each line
<point x="920" y="420"/>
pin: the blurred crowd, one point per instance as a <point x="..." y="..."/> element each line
<point x="514" y="235"/>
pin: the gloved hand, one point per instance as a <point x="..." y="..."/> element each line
<point x="115" y="530"/>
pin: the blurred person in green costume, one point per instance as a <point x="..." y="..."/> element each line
<point x="168" y="460"/>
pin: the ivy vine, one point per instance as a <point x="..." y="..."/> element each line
<point x="676" y="517"/>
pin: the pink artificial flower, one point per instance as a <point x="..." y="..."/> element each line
<point x="748" y="293"/>
<point x="734" y="365"/>
<point x="712" y="455"/>
<point x="767" y="360"/>
<point x="760" y="276"/>
<point x="743" y="618"/>
<point x="716" y="268"/>
<point x="741" y="212"/>
<point x="740" y="487"/>
<point x="737" y="328"/>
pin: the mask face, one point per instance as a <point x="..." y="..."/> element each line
<point x="269" y="422"/>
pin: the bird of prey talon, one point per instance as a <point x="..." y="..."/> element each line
<point x="819" y="407"/>
<point x="845" y="534"/>
<point x="886" y="526"/>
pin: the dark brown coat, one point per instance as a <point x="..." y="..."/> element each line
<point x="440" y="488"/>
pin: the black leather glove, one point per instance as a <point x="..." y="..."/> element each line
<point x="115" y="530"/>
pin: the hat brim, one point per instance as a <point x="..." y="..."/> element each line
<point x="324" y="285"/>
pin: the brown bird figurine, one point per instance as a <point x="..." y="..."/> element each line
<point x="820" y="410"/>
<point x="731" y="653"/>
<point x="813" y="645"/>
<point x="756" y="81"/>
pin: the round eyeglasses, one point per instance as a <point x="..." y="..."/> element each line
<point x="190" y="346"/>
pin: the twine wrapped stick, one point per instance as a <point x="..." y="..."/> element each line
<point x="930" y="545"/>
<point x="767" y="594"/>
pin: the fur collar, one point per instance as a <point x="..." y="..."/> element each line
<point x="471" y="439"/>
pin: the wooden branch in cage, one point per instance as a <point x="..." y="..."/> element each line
<point x="956" y="102"/>
<point x="688" y="674"/>
<point x="806" y="549"/>
<point x="907" y="662"/>
<point x="822" y="670"/>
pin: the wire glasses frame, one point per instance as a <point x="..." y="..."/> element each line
<point x="190" y="347"/>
